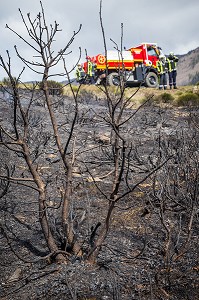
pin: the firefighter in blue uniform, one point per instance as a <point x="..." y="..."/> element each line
<point x="162" y="68"/>
<point x="172" y="69"/>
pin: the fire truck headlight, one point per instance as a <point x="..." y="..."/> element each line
<point x="148" y="63"/>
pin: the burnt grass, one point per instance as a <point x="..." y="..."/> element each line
<point x="151" y="251"/>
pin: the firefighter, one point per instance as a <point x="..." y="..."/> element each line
<point x="80" y="74"/>
<point x="91" y="67"/>
<point x="162" y="69"/>
<point x="172" y="69"/>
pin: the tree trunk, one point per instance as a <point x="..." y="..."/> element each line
<point x="46" y="228"/>
<point x="92" y="256"/>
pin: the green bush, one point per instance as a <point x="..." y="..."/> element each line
<point x="179" y="93"/>
<point x="55" y="88"/>
<point x="7" y="82"/>
<point x="166" y="97"/>
<point x="188" y="99"/>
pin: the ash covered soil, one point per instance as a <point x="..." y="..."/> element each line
<point x="138" y="258"/>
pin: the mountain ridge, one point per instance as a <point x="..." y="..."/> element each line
<point x="188" y="68"/>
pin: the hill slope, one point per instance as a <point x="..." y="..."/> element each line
<point x="188" y="68"/>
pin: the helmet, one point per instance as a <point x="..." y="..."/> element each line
<point x="88" y="58"/>
<point x="171" y="53"/>
<point x="162" y="57"/>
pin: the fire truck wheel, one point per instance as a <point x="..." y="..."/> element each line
<point x="113" y="79"/>
<point x="151" y="80"/>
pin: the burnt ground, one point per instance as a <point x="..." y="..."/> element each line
<point x="138" y="259"/>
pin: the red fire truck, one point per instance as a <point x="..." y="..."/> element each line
<point x="136" y="65"/>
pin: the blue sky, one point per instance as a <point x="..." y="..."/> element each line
<point x="172" y="24"/>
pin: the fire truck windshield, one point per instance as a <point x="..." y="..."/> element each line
<point x="151" y="51"/>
